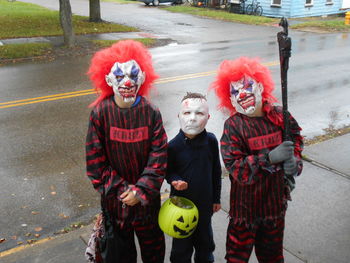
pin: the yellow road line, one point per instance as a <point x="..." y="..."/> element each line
<point x="22" y="247"/>
<point x="22" y="102"/>
<point x="49" y="96"/>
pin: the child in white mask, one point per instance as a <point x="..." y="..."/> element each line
<point x="194" y="172"/>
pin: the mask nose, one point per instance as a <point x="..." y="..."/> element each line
<point x="127" y="83"/>
<point x="192" y="117"/>
<point x="242" y="95"/>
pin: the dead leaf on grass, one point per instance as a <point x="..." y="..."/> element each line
<point x="38" y="229"/>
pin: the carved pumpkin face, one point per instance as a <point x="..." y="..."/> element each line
<point x="178" y="220"/>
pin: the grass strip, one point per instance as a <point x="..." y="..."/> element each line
<point x="328" y="25"/>
<point x="18" y="19"/>
<point x="223" y="15"/>
<point x="14" y="51"/>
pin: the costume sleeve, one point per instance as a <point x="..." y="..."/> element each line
<point x="243" y="168"/>
<point x="171" y="174"/>
<point x="216" y="174"/>
<point x="148" y="186"/>
<point x="101" y="174"/>
<point x="298" y="143"/>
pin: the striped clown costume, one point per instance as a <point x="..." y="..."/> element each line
<point x="126" y="147"/>
<point x="257" y="160"/>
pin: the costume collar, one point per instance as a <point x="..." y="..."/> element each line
<point x="200" y="139"/>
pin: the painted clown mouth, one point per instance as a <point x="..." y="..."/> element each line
<point x="127" y="92"/>
<point x="247" y="102"/>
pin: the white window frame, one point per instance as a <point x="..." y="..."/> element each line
<point x="309" y="4"/>
<point x="276" y="4"/>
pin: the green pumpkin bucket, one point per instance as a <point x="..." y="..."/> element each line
<point x="178" y="217"/>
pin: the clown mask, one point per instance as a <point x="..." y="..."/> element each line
<point x="126" y="80"/>
<point x="246" y="96"/>
<point x="193" y="116"/>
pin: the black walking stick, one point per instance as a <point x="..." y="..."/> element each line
<point x="285" y="44"/>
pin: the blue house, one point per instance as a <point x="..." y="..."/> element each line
<point x="302" y="8"/>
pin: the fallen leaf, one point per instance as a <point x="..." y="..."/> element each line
<point x="2" y="240"/>
<point x="19" y="243"/>
<point x="80" y="206"/>
<point x="63" y="215"/>
<point x="35" y="213"/>
<point x="53" y="193"/>
<point x="38" y="229"/>
<point x="37" y="235"/>
<point x="28" y="234"/>
<point x="14" y="237"/>
<point x="31" y="241"/>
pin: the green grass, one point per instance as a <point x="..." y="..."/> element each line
<point x="18" y="19"/>
<point x="335" y="25"/>
<point x="24" y="50"/>
<point x="148" y="42"/>
<point x="223" y="15"/>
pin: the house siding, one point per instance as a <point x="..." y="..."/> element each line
<point x="297" y="8"/>
<point x="276" y="11"/>
<point x="318" y="8"/>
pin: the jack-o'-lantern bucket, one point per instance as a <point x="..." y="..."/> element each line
<point x="178" y="217"/>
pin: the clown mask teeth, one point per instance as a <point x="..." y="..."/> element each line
<point x="246" y="95"/>
<point x="126" y="80"/>
<point x="247" y="102"/>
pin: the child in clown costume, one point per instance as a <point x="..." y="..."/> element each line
<point x="194" y="172"/>
<point x="126" y="147"/>
<point x="261" y="165"/>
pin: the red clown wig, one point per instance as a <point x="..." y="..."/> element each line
<point x="234" y="70"/>
<point x="121" y="52"/>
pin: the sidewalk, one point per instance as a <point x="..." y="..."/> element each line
<point x="317" y="222"/>
<point x="58" y="40"/>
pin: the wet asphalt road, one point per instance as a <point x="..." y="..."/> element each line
<point x="42" y="166"/>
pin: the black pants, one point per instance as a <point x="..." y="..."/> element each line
<point x="151" y="240"/>
<point x="201" y="241"/>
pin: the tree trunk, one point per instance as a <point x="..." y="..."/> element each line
<point x="95" y="11"/>
<point x="66" y="22"/>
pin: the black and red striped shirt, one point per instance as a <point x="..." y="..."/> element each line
<point x="258" y="191"/>
<point x="127" y="146"/>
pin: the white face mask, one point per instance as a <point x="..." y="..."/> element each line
<point x="126" y="80"/>
<point x="246" y="96"/>
<point x="193" y="116"/>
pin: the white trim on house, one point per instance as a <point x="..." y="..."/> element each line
<point x="309" y="3"/>
<point x="276" y="3"/>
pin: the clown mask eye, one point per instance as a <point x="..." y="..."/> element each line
<point x="234" y="92"/>
<point x="248" y="85"/>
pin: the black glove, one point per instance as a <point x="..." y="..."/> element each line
<point x="290" y="166"/>
<point x="282" y="152"/>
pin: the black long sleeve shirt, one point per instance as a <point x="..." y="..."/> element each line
<point x="197" y="162"/>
